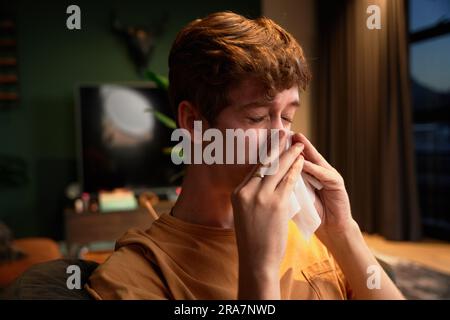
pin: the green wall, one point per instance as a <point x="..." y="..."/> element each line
<point x="52" y="61"/>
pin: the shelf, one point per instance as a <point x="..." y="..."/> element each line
<point x="8" y="43"/>
<point x="7" y="25"/>
<point x="9" y="73"/>
<point x="8" y="61"/>
<point x="8" y="79"/>
<point x="9" y="96"/>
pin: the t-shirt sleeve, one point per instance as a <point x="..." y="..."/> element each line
<point x="126" y="274"/>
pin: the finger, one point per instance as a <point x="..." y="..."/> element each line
<point x="287" y="184"/>
<point x="310" y="151"/>
<point x="312" y="181"/>
<point x="251" y="180"/>
<point x="322" y="174"/>
<point x="285" y="161"/>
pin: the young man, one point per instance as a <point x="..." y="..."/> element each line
<point x="229" y="235"/>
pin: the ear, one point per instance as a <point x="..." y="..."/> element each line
<point x="187" y="114"/>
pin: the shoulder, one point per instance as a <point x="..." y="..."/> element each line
<point x="130" y="272"/>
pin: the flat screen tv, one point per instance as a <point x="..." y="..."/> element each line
<point x="121" y="142"/>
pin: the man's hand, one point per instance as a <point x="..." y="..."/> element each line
<point x="339" y="232"/>
<point x="261" y="207"/>
<point x="333" y="204"/>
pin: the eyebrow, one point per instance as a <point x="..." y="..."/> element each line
<point x="266" y="103"/>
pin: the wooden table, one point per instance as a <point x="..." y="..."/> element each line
<point x="84" y="228"/>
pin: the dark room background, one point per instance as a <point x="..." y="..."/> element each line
<point x="40" y="129"/>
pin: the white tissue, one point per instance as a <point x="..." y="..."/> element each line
<point x="303" y="212"/>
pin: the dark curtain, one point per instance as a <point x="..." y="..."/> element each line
<point x="363" y="123"/>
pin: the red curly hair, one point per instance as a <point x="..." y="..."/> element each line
<point x="211" y="55"/>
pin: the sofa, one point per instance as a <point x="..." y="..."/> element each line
<point x="48" y="281"/>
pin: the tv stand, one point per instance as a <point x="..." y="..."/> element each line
<point x="87" y="227"/>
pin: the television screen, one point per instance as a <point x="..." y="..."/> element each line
<point x="122" y="142"/>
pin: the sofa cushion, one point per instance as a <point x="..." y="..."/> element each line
<point x="37" y="250"/>
<point x="48" y="281"/>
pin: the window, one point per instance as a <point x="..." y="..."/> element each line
<point x="429" y="28"/>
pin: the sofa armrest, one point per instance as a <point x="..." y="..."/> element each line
<point x="48" y="281"/>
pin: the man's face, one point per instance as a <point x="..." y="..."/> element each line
<point x="250" y="109"/>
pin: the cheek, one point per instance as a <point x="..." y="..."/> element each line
<point x="228" y="119"/>
<point x="229" y="123"/>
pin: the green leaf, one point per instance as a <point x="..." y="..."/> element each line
<point x="177" y="151"/>
<point x="160" y="81"/>
<point x="167" y="121"/>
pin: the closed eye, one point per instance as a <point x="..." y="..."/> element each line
<point x="287" y="119"/>
<point x="257" y="119"/>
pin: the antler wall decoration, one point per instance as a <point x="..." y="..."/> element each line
<point x="140" y="40"/>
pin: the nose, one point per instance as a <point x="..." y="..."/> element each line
<point x="277" y="123"/>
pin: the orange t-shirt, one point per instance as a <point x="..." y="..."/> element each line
<point x="174" y="259"/>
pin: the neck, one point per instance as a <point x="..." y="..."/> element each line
<point x="201" y="201"/>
